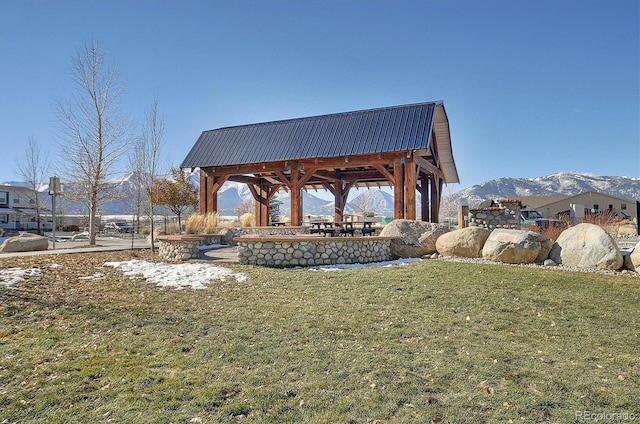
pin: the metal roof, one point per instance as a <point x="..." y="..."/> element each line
<point x="382" y="130"/>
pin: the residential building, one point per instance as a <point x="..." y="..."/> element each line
<point x="579" y="205"/>
<point x="17" y="209"/>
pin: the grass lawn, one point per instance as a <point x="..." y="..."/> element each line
<point x="432" y="341"/>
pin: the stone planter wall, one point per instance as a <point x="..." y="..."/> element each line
<point x="182" y="247"/>
<point x="273" y="231"/>
<point x="312" y="251"/>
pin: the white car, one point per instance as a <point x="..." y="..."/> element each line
<point x="118" y="226"/>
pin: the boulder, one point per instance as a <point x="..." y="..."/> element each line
<point x="413" y="239"/>
<point x="24" y="243"/>
<point x="545" y="248"/>
<point x="632" y="260"/>
<point x="513" y="246"/>
<point x="465" y="242"/>
<point x="587" y="246"/>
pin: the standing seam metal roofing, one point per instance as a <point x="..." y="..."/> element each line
<point x="390" y="129"/>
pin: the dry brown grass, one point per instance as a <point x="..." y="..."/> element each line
<point x="195" y="223"/>
<point x="550" y="232"/>
<point x="210" y="222"/>
<point x="246" y="220"/>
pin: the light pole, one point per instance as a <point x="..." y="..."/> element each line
<point x="55" y="188"/>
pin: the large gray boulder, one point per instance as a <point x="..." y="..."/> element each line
<point x="24" y="243"/>
<point x="413" y="239"/>
<point x="465" y="242"/>
<point x="514" y="246"/>
<point x="632" y="260"/>
<point x="587" y="246"/>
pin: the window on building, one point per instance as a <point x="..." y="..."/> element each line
<point x="623" y="207"/>
<point x="4" y="198"/>
<point x="16" y="200"/>
<point x="596" y="207"/>
<point x="4" y="218"/>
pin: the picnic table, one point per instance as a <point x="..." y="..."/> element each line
<point x="345" y="228"/>
<point x="367" y="229"/>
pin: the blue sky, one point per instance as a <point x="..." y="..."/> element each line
<point x="531" y="87"/>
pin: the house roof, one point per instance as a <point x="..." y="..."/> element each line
<point x="390" y="129"/>
<point x="538" y="202"/>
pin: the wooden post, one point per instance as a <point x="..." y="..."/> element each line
<point x="424" y="197"/>
<point x="203" y="192"/>
<point x="410" y="189"/>
<point x="209" y="186"/>
<point x="296" y="196"/>
<point x="212" y="195"/>
<point x="398" y="190"/>
<point x="436" y="190"/>
<point x="463" y="216"/>
<point x="338" y="210"/>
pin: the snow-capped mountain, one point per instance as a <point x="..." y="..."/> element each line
<point x="567" y="183"/>
<point x="232" y="194"/>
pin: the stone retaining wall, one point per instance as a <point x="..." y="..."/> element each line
<point x="182" y="247"/>
<point x="312" y="251"/>
<point x="506" y="215"/>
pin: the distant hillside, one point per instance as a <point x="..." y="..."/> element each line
<point x="568" y="183"/>
<point x="232" y="195"/>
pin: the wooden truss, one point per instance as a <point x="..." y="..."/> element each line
<point x="407" y="172"/>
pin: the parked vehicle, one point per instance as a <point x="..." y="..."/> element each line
<point x="118" y="227"/>
<point x="532" y="217"/>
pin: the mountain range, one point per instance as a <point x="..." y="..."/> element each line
<point x="232" y="195"/>
<point x="561" y="183"/>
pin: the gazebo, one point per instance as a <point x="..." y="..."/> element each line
<point x="407" y="147"/>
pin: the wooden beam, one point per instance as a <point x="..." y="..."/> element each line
<point x="283" y="178"/>
<point x="428" y="166"/>
<point x="306" y="164"/>
<point x="385" y="173"/>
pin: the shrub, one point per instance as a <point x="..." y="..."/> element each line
<point x="172" y="228"/>
<point x="246" y="220"/>
<point x="195" y="223"/>
<point x="227" y="224"/>
<point x="210" y="222"/>
<point x="552" y="232"/>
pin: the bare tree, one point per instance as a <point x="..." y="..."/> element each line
<point x="247" y="206"/>
<point x="369" y="201"/>
<point x="93" y="134"/>
<point x="34" y="167"/>
<point x="144" y="160"/>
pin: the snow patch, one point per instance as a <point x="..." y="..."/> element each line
<point x="196" y="276"/>
<point x="333" y="268"/>
<point x="11" y="276"/>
